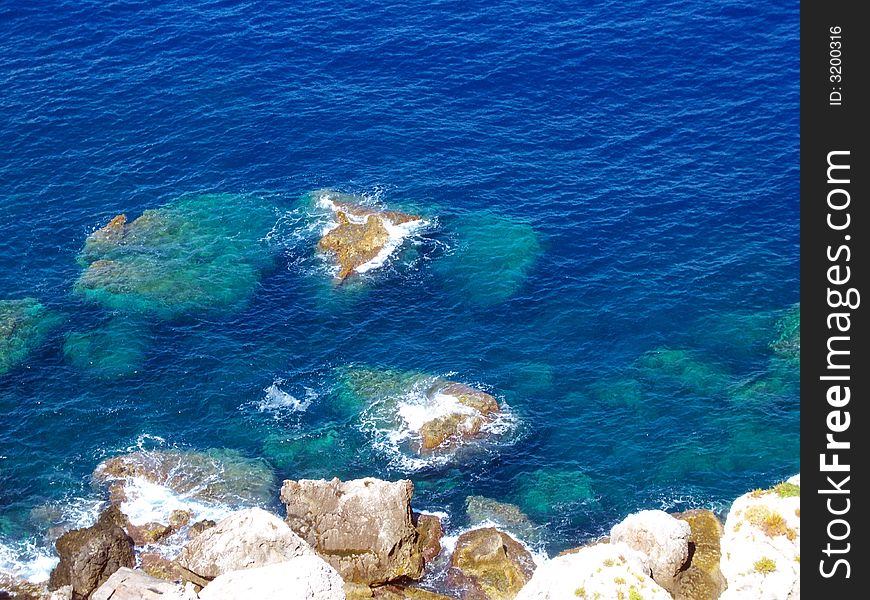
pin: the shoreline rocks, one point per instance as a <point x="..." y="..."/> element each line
<point x="761" y="544"/>
<point x="245" y="539"/>
<point x="89" y="556"/>
<point x="363" y="527"/>
<point x="359" y="539"/>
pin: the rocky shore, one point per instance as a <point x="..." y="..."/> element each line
<point x="362" y="539"/>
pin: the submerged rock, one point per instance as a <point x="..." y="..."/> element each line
<point x="127" y="584"/>
<point x="509" y="517"/>
<point x="363" y="528"/>
<point x="492" y="258"/>
<point x="303" y="453"/>
<point x="246" y="539"/>
<point x="113" y="350"/>
<point x="761" y="544"/>
<point x="24" y="326"/>
<point x="488" y="564"/>
<point x="212" y="475"/>
<point x="544" y="490"/>
<point x="661" y="538"/>
<point x="703" y="579"/>
<point x="362" y="234"/>
<point x="305" y="577"/>
<point x="89" y="556"/>
<point x="196" y="253"/>
<point x="605" y="571"/>
<point x="681" y="367"/>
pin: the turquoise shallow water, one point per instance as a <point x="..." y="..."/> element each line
<point x="611" y="200"/>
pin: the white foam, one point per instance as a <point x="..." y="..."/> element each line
<point x="27" y="560"/>
<point x="394" y="424"/>
<point x="397" y="234"/>
<point x="417" y="413"/>
<point x="148" y="502"/>
<point x="278" y="400"/>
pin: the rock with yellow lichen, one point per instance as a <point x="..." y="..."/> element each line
<point x="601" y="571"/>
<point x="761" y="544"/>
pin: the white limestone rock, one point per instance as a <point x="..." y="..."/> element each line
<point x="128" y="584"/>
<point x="761" y="545"/>
<point x="245" y="539"/>
<point x="605" y="571"/>
<point x="663" y="539"/>
<point x="301" y="578"/>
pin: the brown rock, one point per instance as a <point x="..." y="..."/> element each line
<point x="452" y="429"/>
<point x="113" y="231"/>
<point x="480" y="401"/>
<point x="490" y="565"/>
<point x="702" y="579"/>
<point x="89" y="556"/>
<point x="201" y="526"/>
<point x="363" y="528"/>
<point x="149" y="533"/>
<point x="179" y="518"/>
<point x="398" y="592"/>
<point x="360" y="235"/>
<point x="12" y="587"/>
<point x="159" y="566"/>
<point x="430" y="533"/>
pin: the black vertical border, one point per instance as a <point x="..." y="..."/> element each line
<point x="826" y="128"/>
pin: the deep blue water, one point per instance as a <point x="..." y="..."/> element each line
<point x="641" y="157"/>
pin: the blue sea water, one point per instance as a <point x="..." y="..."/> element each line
<point x="612" y="197"/>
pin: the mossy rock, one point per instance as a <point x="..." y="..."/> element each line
<point x="115" y="349"/>
<point x="544" y="490"/>
<point x="490" y="565"/>
<point x="702" y="579"/>
<point x="25" y="325"/>
<point x="494" y="255"/>
<point x="197" y="253"/>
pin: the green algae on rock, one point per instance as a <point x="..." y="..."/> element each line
<point x="115" y="349"/>
<point x="196" y="253"/>
<point x="24" y="326"/>
<point x="321" y="454"/>
<point x="545" y="489"/>
<point x="491" y="260"/>
<point x="682" y="368"/>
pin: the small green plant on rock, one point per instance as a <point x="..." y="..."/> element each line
<point x="787" y="490"/>
<point x="765" y="565"/>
